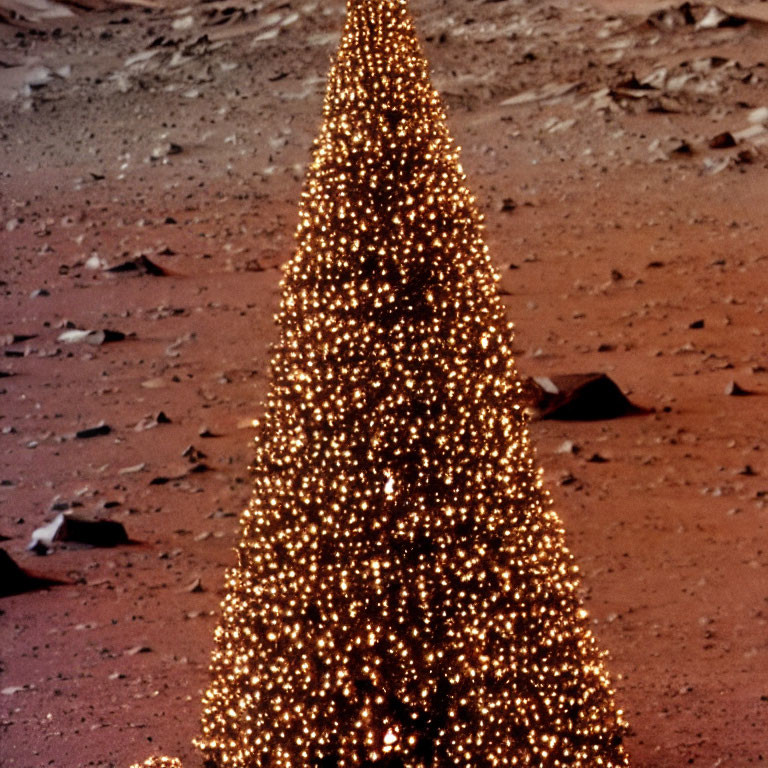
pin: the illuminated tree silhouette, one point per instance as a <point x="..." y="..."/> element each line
<point x="403" y="597"/>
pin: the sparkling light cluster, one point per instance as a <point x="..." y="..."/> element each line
<point x="404" y="597"/>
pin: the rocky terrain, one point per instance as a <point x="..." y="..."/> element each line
<point x="151" y="158"/>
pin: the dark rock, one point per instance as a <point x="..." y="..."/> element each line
<point x="97" y="431"/>
<point x="578" y="397"/>
<point x="150" y="422"/>
<point x="722" y="141"/>
<point x="735" y="390"/>
<point x="700" y="15"/>
<point x="63" y="506"/>
<point x="195" y="586"/>
<point x="669" y="18"/>
<point x="94" y="532"/>
<point x="715" y="18"/>
<point x="38" y="548"/>
<point x="97" y="338"/>
<point x="633" y="84"/>
<point x="137" y="649"/>
<point x="163" y="480"/>
<point x="141" y="265"/>
<point x="16" y="338"/>
<point x="696" y="325"/>
<point x="14" y="580"/>
<point x="194" y="455"/>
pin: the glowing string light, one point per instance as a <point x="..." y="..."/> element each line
<point x="436" y="623"/>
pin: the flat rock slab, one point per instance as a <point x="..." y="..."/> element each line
<point x="578" y="397"/>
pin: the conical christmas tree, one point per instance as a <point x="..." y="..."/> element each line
<point x="404" y="597"/>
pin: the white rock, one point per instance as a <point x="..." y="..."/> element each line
<point x="714" y="166"/>
<point x="178" y="59"/>
<point x="141" y="57"/>
<point x="47" y="534"/>
<point x="271" y="18"/>
<point x="545" y="93"/>
<point x="713" y="19"/>
<point x="758" y="116"/>
<point x="186" y="22"/>
<point x="270" y="34"/>
<point x="38" y="10"/>
<point x="657" y="78"/>
<point x="74" y="336"/>
<point x="676" y="84"/>
<point x="749" y="133"/>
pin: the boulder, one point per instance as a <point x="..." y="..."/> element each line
<point x="577" y="397"/>
<point x="14" y="580"/>
<point x="80" y="530"/>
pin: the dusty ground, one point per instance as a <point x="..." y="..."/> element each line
<point x="630" y="246"/>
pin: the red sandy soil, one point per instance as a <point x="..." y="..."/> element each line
<point x="617" y="249"/>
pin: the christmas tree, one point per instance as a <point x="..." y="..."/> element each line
<point x="404" y="597"/>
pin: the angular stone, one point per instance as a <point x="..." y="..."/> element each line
<point x="578" y="397"/>
<point x="14" y="580"/>
<point x="97" y="431"/>
<point x="723" y="140"/>
<point x="81" y="530"/>
<point x="715" y="18"/>
<point x="96" y="338"/>
<point x="733" y="389"/>
<point x="141" y="265"/>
